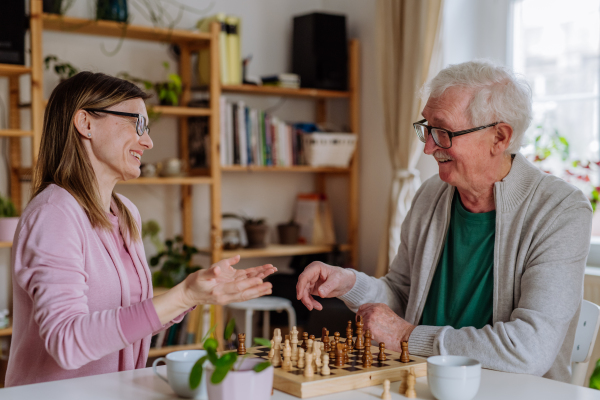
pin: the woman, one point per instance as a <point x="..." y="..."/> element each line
<point x="82" y="289"/>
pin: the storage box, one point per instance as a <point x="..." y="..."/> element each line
<point x="329" y="149"/>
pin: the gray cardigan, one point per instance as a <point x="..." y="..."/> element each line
<point x="543" y="228"/>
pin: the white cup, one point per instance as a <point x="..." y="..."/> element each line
<point x="179" y="366"/>
<point x="453" y="377"/>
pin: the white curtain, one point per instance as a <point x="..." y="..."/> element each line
<point x="409" y="47"/>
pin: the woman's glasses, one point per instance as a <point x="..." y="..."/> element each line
<point x="141" y="125"/>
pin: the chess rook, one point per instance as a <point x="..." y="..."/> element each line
<point x="404" y="356"/>
<point x="241" y="350"/>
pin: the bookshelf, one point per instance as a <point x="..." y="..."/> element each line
<point x="188" y="42"/>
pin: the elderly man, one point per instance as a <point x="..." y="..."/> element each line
<point x="492" y="253"/>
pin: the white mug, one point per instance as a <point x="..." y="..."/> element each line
<point x="179" y="366"/>
<point x="453" y="377"/>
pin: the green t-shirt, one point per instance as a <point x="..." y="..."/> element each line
<point x="461" y="292"/>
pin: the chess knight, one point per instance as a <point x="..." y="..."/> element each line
<point x="492" y="252"/>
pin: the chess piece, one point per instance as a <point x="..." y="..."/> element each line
<point x="312" y="337"/>
<point x="411" y="393"/>
<point x="300" y="358"/>
<point x="349" y="336"/>
<point x="325" y="339"/>
<point x="346" y="358"/>
<point x="317" y="356"/>
<point x="404" y="357"/>
<point x="241" y="350"/>
<point x="325" y="371"/>
<point x="381" y="356"/>
<point x="271" y="350"/>
<point x="367" y="357"/>
<point x="294" y="343"/>
<point x="308" y="369"/>
<point x="276" y="361"/>
<point x="386" y="395"/>
<point x="367" y="341"/>
<point x="336" y="337"/>
<point x="287" y="356"/>
<point x="403" y="377"/>
<point x="304" y="340"/>
<point x="339" y="355"/>
<point x="309" y="346"/>
<point x="359" y="344"/>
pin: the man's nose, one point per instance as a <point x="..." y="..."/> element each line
<point x="430" y="145"/>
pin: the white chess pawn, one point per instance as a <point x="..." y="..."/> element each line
<point x="308" y="369"/>
<point x="309" y="346"/>
<point x="276" y="361"/>
<point x="317" y="356"/>
<point x="386" y="395"/>
<point x="294" y="343"/>
<point x="271" y="350"/>
<point x="300" y="358"/>
<point x="325" y="371"/>
<point x="287" y="357"/>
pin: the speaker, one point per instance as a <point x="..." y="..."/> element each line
<point x="320" y="51"/>
<point x="13" y="25"/>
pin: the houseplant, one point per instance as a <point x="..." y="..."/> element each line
<point x="233" y="377"/>
<point x="112" y="10"/>
<point x="63" y="69"/>
<point x="167" y="92"/>
<point x="256" y="230"/>
<point x="8" y="219"/>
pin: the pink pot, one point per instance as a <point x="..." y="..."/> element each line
<point x="8" y="226"/>
<point x="243" y="384"/>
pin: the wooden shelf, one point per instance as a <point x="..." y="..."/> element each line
<point x="119" y="29"/>
<point x="13" y="70"/>
<point x="181" y="111"/>
<point x="15" y="133"/>
<point x="153" y="352"/>
<point x="182" y="180"/>
<point x="279" y="250"/>
<point x="5" y="244"/>
<point x="295" y="168"/>
<point x="6" y="331"/>
<point x="285" y="92"/>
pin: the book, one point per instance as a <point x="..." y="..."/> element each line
<point x="234" y="55"/>
<point x="287" y="78"/>
<point x="204" y="25"/>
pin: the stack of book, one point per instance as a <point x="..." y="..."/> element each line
<point x="254" y="137"/>
<point x="230" y="56"/>
<point x="291" y="81"/>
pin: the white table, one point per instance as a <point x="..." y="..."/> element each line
<point x="142" y="384"/>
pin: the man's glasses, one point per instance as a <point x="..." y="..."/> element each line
<point x="442" y="137"/>
<point x="141" y="125"/>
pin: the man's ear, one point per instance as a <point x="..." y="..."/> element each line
<point x="83" y="123"/>
<point x="503" y="134"/>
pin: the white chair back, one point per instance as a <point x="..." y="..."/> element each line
<point x="585" y="337"/>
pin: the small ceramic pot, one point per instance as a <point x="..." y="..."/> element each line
<point x="243" y="384"/>
<point x="8" y="226"/>
<point x="148" y="170"/>
<point x="257" y="235"/>
<point x="288" y="233"/>
<point x="170" y="167"/>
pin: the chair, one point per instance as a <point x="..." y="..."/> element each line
<point x="585" y="338"/>
<point x="265" y="304"/>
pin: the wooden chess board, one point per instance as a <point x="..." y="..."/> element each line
<point x="350" y="376"/>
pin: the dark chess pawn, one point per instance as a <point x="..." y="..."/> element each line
<point x="304" y="344"/>
<point x="241" y="350"/>
<point x="367" y="358"/>
<point x="381" y="356"/>
<point x="349" y="336"/>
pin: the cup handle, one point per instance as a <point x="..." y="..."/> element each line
<point x="154" y="365"/>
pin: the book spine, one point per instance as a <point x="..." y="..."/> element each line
<point x="236" y="134"/>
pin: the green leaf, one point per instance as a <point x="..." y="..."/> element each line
<point x="210" y="332"/>
<point x="262" y="342"/>
<point x="220" y="373"/>
<point x="226" y="359"/>
<point x="229" y="329"/>
<point x="262" y="366"/>
<point x="196" y="373"/>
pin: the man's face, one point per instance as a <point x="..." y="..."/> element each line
<point x="465" y="164"/>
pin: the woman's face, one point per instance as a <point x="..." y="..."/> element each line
<point x="115" y="146"/>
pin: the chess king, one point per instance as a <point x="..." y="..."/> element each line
<point x="493" y="251"/>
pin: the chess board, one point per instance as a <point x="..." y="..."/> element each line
<point x="348" y="377"/>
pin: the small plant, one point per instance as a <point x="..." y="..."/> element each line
<point x="226" y="361"/>
<point x="63" y="69"/>
<point x="7" y="208"/>
<point x="245" y="220"/>
<point x="168" y="92"/>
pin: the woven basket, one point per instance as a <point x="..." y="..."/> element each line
<point x="329" y="149"/>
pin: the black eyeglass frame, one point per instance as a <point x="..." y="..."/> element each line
<point x="450" y="133"/>
<point x="139" y="117"/>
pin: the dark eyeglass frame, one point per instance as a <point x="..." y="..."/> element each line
<point x="139" y="128"/>
<point x="450" y="133"/>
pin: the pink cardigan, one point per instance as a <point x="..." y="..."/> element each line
<point x="70" y="294"/>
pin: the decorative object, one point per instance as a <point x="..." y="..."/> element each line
<point x="289" y="233"/>
<point x="232" y="376"/>
<point x="148" y="170"/>
<point x="329" y="149"/>
<point x="8" y="220"/>
<point x="59" y="7"/>
<point x="170" y="167"/>
<point x="63" y="69"/>
<point x="177" y="263"/>
<point x="231" y="239"/>
<point x="256" y="230"/>
<point x="112" y="10"/>
<point x="179" y="367"/>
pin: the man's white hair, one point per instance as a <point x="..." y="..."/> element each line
<point x="498" y="95"/>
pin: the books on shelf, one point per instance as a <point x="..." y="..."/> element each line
<point x="291" y="81"/>
<point x="252" y="137"/>
<point x="313" y="214"/>
<point x="230" y="58"/>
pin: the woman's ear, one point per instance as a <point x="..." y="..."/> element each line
<point x="503" y="134"/>
<point x="83" y="123"/>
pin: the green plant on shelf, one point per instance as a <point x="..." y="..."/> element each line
<point x="167" y="92"/>
<point x="63" y="69"/>
<point x="227" y="361"/>
<point x="7" y="208"/>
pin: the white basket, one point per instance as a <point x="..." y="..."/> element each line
<point x="329" y="149"/>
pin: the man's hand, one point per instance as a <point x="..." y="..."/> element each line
<point x="323" y="280"/>
<point x="385" y="325"/>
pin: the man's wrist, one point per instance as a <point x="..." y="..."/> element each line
<point x="408" y="332"/>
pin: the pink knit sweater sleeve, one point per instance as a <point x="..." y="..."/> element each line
<point x="50" y="267"/>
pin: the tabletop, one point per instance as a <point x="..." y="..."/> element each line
<point x="143" y="384"/>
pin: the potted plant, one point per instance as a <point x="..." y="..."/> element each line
<point x="256" y="230"/>
<point x="112" y="10"/>
<point x="59" y="7"/>
<point x="63" y="69"/>
<point x="233" y="377"/>
<point x="8" y="219"/>
<point x="168" y="92"/>
<point x="289" y="233"/>
<point x="176" y="257"/>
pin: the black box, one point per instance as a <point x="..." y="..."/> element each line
<point x="13" y="25"/>
<point x="320" y="51"/>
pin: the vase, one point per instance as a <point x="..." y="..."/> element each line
<point x="257" y="235"/>
<point x="243" y="384"/>
<point x="52" y="6"/>
<point x="112" y="10"/>
<point x="8" y="226"/>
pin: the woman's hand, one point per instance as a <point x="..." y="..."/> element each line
<point x="222" y="284"/>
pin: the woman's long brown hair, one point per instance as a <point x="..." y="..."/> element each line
<point x="63" y="160"/>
